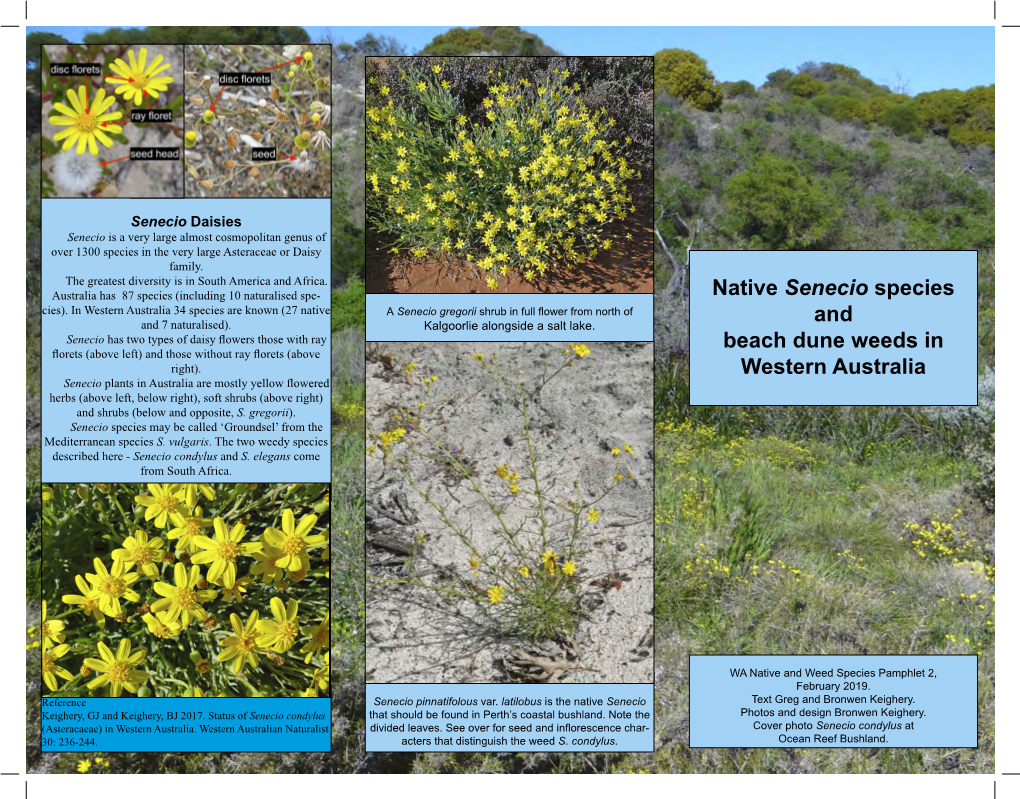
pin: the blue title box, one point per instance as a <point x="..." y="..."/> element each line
<point x="185" y="725"/>
<point x="478" y="718"/>
<point x="833" y="700"/>
<point x="508" y="317"/>
<point x="208" y="381"/>
<point x="833" y="328"/>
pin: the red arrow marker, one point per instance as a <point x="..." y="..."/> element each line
<point x="118" y="77"/>
<point x="281" y="65"/>
<point x="291" y="157"/>
<point x="86" y="95"/>
<point x="213" y="106"/>
<point x="115" y="160"/>
<point x="119" y="122"/>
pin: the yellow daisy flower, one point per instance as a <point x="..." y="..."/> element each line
<point x="138" y="79"/>
<point x="160" y="626"/>
<point x="113" y="585"/>
<point x="142" y="552"/>
<point x="51" y="670"/>
<point x="89" y="599"/>
<point x="496" y="594"/>
<point x="187" y="528"/>
<point x="294" y="541"/>
<point x="118" y="671"/>
<point x="50" y="630"/>
<point x="318" y="639"/>
<point x="183" y="599"/>
<point x="222" y="550"/>
<point x="83" y="122"/>
<point x="243" y="644"/>
<point x="163" y="504"/>
<point x="279" y="635"/>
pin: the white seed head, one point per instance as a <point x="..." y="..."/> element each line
<point x="76" y="173"/>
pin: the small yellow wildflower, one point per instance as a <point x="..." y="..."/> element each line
<point x="496" y="594"/>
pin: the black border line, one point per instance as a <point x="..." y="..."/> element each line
<point x="977" y="699"/>
<point x="454" y="686"/>
<point x="42" y="118"/>
<point x="328" y="482"/>
<point x="184" y="126"/>
<point x="977" y="341"/>
<point x="651" y="238"/>
<point x="328" y="697"/>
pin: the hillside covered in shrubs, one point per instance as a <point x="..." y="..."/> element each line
<point x="819" y="529"/>
<point x="819" y="159"/>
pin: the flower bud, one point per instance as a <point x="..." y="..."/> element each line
<point x="190" y="138"/>
<point x="209" y="116"/>
<point x="274" y="93"/>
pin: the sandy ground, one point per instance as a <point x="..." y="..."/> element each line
<point x="135" y="178"/>
<point x="418" y="635"/>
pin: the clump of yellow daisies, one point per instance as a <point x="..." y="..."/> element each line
<point x="537" y="180"/>
<point x="170" y="585"/>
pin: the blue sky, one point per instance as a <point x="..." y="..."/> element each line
<point x="923" y="58"/>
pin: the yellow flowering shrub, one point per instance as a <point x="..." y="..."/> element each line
<point x="185" y="589"/>
<point x="529" y="578"/>
<point x="534" y="179"/>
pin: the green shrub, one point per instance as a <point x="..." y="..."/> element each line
<point x="781" y="208"/>
<point x="348" y="307"/>
<point x="840" y="107"/>
<point x="686" y="76"/>
<point x="804" y="85"/>
<point x="740" y="88"/>
<point x="902" y="119"/>
<point x="778" y="78"/>
<point x="673" y="126"/>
